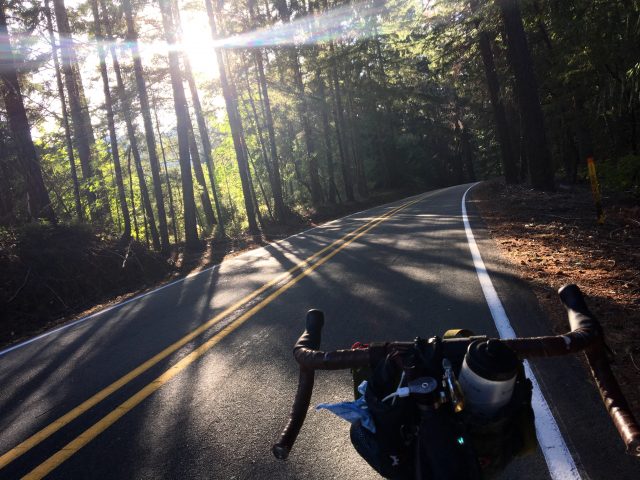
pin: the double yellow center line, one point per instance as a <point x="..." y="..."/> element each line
<point x="294" y="275"/>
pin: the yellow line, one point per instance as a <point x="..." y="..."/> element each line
<point x="105" y="422"/>
<point x="59" y="423"/>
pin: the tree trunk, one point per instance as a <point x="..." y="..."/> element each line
<point x="82" y="129"/>
<point x="172" y="210"/>
<point x="361" y="179"/>
<point x="135" y="150"/>
<point x="133" y="200"/>
<point x="206" y="142"/>
<point x="65" y="117"/>
<point x="203" y="129"/>
<point x="235" y="124"/>
<point x="326" y="130"/>
<point x="386" y="121"/>
<point x="347" y="176"/>
<point x="182" y="118"/>
<point x="253" y="189"/>
<point x="504" y="136"/>
<point x="509" y="168"/>
<point x="197" y="169"/>
<point x="132" y="39"/>
<point x="108" y="104"/>
<point x="303" y="111"/>
<point x="274" y="178"/>
<point x="539" y="156"/>
<point x="39" y="205"/>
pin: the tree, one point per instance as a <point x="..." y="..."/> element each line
<point x="132" y="41"/>
<point x="509" y="167"/>
<point x="540" y="164"/>
<point x="274" y="170"/>
<point x="82" y="129"/>
<point x="182" y="118"/>
<point x="65" y="116"/>
<point x="108" y="105"/>
<point x="39" y="205"/>
<point x="235" y="123"/>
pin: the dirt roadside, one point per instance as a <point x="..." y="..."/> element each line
<point x="553" y="239"/>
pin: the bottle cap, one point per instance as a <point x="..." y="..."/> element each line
<point x="492" y="360"/>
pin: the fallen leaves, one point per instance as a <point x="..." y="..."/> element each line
<point x="553" y="239"/>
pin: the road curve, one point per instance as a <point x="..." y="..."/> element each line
<point x="195" y="380"/>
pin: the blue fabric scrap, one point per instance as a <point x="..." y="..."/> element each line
<point x="352" y="412"/>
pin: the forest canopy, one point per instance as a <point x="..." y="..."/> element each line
<point x="169" y="121"/>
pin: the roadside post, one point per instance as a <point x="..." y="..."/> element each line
<point x="595" y="189"/>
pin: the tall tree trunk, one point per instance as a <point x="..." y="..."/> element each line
<point x="254" y="197"/>
<point x="509" y="168"/>
<point x="385" y="119"/>
<point x="7" y="216"/>
<point x="540" y="163"/>
<point x="82" y="129"/>
<point x="303" y="112"/>
<point x="347" y="176"/>
<point x="182" y="118"/>
<point x="29" y="163"/>
<point x="132" y="39"/>
<point x="131" y="133"/>
<point x="327" y="139"/>
<point x="361" y="179"/>
<point x="206" y="142"/>
<point x="65" y="117"/>
<point x="275" y="178"/>
<point x="197" y="169"/>
<point x="263" y="150"/>
<point x="202" y="127"/>
<point x="274" y="172"/>
<point x="259" y="132"/>
<point x="172" y="209"/>
<point x="235" y="124"/>
<point x="133" y="200"/>
<point x="108" y="105"/>
<point x="467" y="152"/>
<point x="135" y="150"/>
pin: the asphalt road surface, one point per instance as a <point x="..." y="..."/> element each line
<point x="195" y="380"/>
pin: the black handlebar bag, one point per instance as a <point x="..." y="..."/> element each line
<point x="491" y="443"/>
<point x="390" y="451"/>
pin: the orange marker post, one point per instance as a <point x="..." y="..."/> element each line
<point x="595" y="189"/>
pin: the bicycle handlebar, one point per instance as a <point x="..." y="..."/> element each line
<point x="586" y="335"/>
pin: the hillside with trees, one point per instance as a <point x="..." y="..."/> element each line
<point x="131" y="128"/>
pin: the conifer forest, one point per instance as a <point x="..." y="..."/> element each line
<point x="168" y="121"/>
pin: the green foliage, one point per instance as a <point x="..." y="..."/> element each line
<point x="409" y="76"/>
<point x="621" y="175"/>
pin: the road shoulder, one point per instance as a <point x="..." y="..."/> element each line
<point x="565" y="382"/>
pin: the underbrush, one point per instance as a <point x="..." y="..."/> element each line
<point x="621" y="175"/>
<point x="49" y="271"/>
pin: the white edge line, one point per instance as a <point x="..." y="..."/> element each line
<point x="556" y="454"/>
<point x="191" y="275"/>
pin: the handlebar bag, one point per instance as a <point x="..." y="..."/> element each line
<point x="390" y="450"/>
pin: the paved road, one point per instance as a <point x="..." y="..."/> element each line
<point x="210" y="405"/>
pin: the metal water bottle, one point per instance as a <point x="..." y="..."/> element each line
<point x="487" y="376"/>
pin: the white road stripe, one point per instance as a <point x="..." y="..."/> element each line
<point x="559" y="460"/>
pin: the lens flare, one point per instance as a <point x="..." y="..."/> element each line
<point x="352" y="22"/>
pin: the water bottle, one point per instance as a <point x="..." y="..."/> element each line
<point x="487" y="376"/>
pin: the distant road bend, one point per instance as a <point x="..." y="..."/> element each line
<point x="195" y="379"/>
